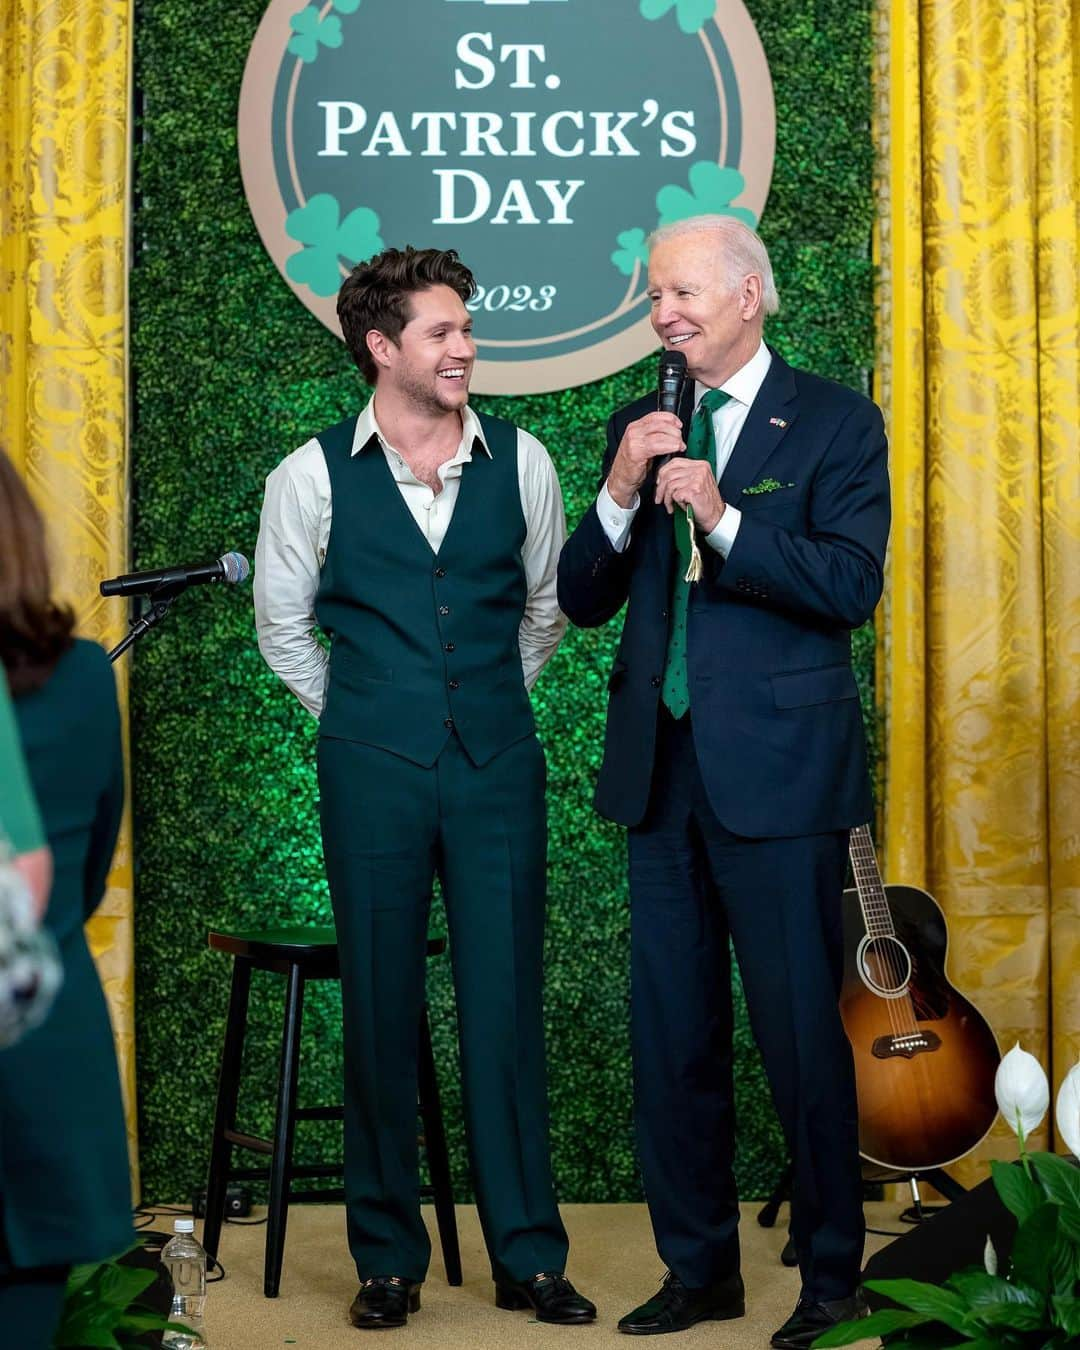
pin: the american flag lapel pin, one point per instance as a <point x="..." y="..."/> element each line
<point x="777" y="422"/>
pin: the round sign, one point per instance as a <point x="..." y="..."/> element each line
<point x="542" y="139"/>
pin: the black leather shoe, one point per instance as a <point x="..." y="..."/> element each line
<point x="552" y="1297"/>
<point x="384" y="1301"/>
<point x="674" y="1307"/>
<point x="811" y="1318"/>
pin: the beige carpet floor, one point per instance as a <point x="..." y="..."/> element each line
<point x="612" y="1259"/>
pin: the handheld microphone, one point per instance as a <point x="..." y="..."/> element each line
<point x="671" y="380"/>
<point x="232" y="568"/>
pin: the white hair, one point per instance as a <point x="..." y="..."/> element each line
<point x="741" y="249"/>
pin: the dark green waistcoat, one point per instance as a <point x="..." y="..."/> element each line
<point x="423" y="644"/>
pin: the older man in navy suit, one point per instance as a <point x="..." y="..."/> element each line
<point x="736" y="756"/>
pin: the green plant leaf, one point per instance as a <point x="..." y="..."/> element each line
<point x="1064" y="1262"/>
<point x="1017" y="1316"/>
<point x="1061" y="1181"/>
<point x="1035" y="1240"/>
<point x="120" y="1286"/>
<point x="980" y="1290"/>
<point x="79" y="1276"/>
<point x="139" y="1319"/>
<point x="932" y="1336"/>
<point x="939" y="1304"/>
<point x="1067" y="1313"/>
<point x="880" y="1323"/>
<point x="1019" y="1194"/>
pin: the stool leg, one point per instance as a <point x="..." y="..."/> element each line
<point x="284" y="1130"/>
<point x="435" y="1147"/>
<point x="225" y="1113"/>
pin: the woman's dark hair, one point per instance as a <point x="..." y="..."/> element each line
<point x="376" y="294"/>
<point x="34" y="631"/>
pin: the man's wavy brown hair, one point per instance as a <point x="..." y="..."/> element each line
<point x="376" y="294"/>
<point x="34" y="630"/>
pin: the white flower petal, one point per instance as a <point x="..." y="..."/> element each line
<point x="1067" y="1110"/>
<point x="1022" y="1091"/>
<point x="990" y="1257"/>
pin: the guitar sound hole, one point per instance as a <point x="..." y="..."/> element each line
<point x="885" y="966"/>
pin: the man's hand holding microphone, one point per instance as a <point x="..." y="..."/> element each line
<point x="658" y="437"/>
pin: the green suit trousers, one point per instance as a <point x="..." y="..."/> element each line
<point x="389" y="827"/>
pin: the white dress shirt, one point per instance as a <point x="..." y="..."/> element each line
<point x="728" y="421"/>
<point x="294" y="530"/>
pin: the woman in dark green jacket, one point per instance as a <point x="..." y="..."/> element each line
<point x="20" y="822"/>
<point x="65" y="1192"/>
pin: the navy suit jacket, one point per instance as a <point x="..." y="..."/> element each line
<point x="774" y="706"/>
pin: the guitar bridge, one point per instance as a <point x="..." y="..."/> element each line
<point x="906" y="1046"/>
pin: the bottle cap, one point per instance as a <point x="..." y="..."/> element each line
<point x="184" y="1226"/>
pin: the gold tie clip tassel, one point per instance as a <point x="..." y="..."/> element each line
<point x="696" y="567"/>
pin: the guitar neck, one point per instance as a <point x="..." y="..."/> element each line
<point x="875" y="908"/>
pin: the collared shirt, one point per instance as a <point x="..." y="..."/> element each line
<point x="728" y="421"/>
<point x="294" y="530"/>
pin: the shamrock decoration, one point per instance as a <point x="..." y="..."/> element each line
<point x="712" y="189"/>
<point x="631" y="250"/>
<point x="691" y="14"/>
<point x="325" y="241"/>
<point x="346" y="6"/>
<point x="310" y="30"/>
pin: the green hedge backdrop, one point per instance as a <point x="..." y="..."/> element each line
<point x="230" y="373"/>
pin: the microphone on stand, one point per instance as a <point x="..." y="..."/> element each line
<point x="231" y="568"/>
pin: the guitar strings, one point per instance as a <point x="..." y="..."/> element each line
<point x="879" y="924"/>
<point x="875" y="908"/>
<point x="862" y="852"/>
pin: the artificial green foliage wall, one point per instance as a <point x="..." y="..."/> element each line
<point x="230" y="373"/>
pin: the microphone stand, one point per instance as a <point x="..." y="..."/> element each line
<point x="160" y="600"/>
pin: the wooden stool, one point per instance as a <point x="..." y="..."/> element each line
<point x="302" y="954"/>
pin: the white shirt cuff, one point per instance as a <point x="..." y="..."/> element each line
<point x="615" y="520"/>
<point x="727" y="527"/>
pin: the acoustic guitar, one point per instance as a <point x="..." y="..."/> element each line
<point x="925" y="1058"/>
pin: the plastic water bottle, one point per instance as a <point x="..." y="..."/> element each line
<point x="185" y="1261"/>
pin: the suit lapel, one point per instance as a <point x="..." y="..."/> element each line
<point x="772" y="415"/>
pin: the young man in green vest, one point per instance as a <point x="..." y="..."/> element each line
<point x="436" y="586"/>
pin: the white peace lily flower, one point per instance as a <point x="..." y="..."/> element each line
<point x="1022" y="1091"/>
<point x="1067" y="1110"/>
<point x="990" y="1259"/>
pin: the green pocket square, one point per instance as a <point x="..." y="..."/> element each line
<point x="766" y="485"/>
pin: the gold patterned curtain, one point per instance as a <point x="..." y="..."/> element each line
<point x="979" y="659"/>
<point x="64" y="135"/>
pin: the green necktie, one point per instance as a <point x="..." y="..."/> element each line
<point x="702" y="445"/>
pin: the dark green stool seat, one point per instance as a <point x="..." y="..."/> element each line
<point x="302" y="954"/>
